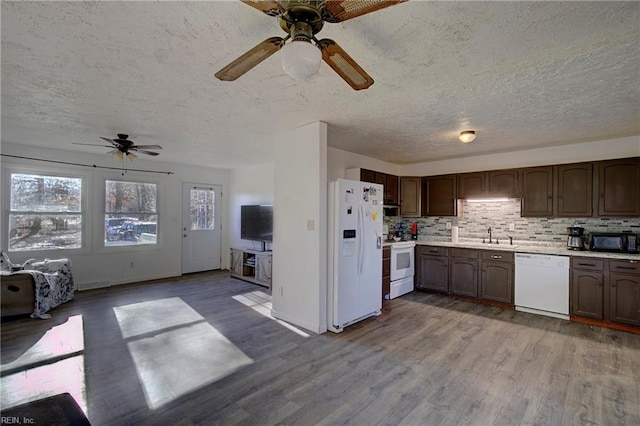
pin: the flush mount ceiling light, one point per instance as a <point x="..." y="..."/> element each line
<point x="467" y="136"/>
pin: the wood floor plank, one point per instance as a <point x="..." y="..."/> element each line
<point x="428" y="359"/>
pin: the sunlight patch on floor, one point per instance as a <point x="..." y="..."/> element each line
<point x="53" y="365"/>
<point x="260" y="302"/>
<point x="173" y="358"/>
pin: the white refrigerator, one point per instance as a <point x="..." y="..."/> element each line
<point x="355" y="252"/>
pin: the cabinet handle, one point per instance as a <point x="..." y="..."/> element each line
<point x="631" y="268"/>
<point x="586" y="264"/>
<point x="496" y="257"/>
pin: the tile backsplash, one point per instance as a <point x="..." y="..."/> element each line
<point x="477" y="217"/>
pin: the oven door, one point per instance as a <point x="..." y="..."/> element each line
<point x="402" y="260"/>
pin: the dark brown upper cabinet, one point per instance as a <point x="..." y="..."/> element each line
<point x="391" y="189"/>
<point x="503" y="183"/>
<point x="439" y="196"/>
<point x="537" y="192"/>
<point x="472" y="185"/>
<point x="573" y="194"/>
<point x="491" y="184"/>
<point x="410" y="196"/>
<point x="390" y="183"/>
<point x="619" y="187"/>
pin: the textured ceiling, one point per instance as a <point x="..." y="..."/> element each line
<point x="521" y="74"/>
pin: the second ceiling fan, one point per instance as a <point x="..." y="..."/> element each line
<point x="302" y="20"/>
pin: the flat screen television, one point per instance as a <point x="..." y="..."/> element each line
<point x="256" y="223"/>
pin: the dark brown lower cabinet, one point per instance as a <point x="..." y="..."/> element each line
<point x="587" y="287"/>
<point x="496" y="282"/>
<point x="386" y="271"/>
<point x="463" y="265"/>
<point x="607" y="290"/>
<point x="433" y="269"/>
<point x="624" y="291"/>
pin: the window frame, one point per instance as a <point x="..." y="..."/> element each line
<point x="85" y="235"/>
<point x="101" y="214"/>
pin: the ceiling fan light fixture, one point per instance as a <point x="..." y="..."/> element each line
<point x="131" y="156"/>
<point x="467" y="136"/>
<point x="300" y="59"/>
<point x="118" y="155"/>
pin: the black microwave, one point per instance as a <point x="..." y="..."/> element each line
<point x="614" y="241"/>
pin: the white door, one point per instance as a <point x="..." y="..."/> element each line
<point x="201" y="233"/>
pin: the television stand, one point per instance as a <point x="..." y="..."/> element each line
<point x="252" y="265"/>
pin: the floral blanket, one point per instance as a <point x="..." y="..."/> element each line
<point x="53" y="284"/>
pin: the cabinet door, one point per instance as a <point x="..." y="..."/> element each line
<point x="624" y="298"/>
<point x="619" y="187"/>
<point x="472" y="185"/>
<point x="263" y="269"/>
<point x="537" y="192"/>
<point x="434" y="273"/>
<point x="367" y="175"/>
<point x="386" y="271"/>
<point x="410" y="196"/>
<point x="497" y="281"/>
<point x="236" y="262"/>
<point x="391" y="190"/>
<point x="587" y="293"/>
<point x="503" y="183"/>
<point x="574" y="192"/>
<point x="439" y="196"/>
<point x="464" y="277"/>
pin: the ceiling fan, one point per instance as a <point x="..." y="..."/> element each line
<point x="302" y="20"/>
<point x="122" y="146"/>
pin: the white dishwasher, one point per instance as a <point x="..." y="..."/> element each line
<point x="542" y="284"/>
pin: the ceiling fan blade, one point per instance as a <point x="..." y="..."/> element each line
<point x="250" y="59"/>
<point x="269" y="7"/>
<point x="91" y="144"/>
<point x="147" y="146"/>
<point x="344" y="65"/>
<point x="341" y="10"/>
<point x="144" y="151"/>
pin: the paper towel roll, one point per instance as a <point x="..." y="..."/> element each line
<point x="454" y="234"/>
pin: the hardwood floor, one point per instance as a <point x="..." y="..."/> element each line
<point x="196" y="355"/>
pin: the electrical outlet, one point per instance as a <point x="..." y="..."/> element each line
<point x="448" y="225"/>
<point x="310" y="224"/>
<point x="512" y="227"/>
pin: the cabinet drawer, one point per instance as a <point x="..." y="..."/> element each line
<point x="434" y="251"/>
<point x="587" y="263"/>
<point x="503" y="256"/>
<point x="625" y="266"/>
<point x="465" y="253"/>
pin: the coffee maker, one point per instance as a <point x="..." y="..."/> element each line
<point x="575" y="238"/>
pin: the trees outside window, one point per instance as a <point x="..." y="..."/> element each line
<point x="45" y="212"/>
<point x="131" y="215"/>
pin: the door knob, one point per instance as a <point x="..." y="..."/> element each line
<point x="184" y="235"/>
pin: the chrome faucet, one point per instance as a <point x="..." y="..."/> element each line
<point x="489" y="231"/>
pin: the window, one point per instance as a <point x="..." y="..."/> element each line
<point x="130" y="213"/>
<point x="45" y="212"/>
<point x="202" y="209"/>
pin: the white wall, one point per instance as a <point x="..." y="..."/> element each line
<point x="587" y="151"/>
<point x="338" y="161"/>
<point x="111" y="265"/>
<point x="300" y="227"/>
<point x="248" y="185"/>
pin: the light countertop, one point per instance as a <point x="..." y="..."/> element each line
<point x="523" y="247"/>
